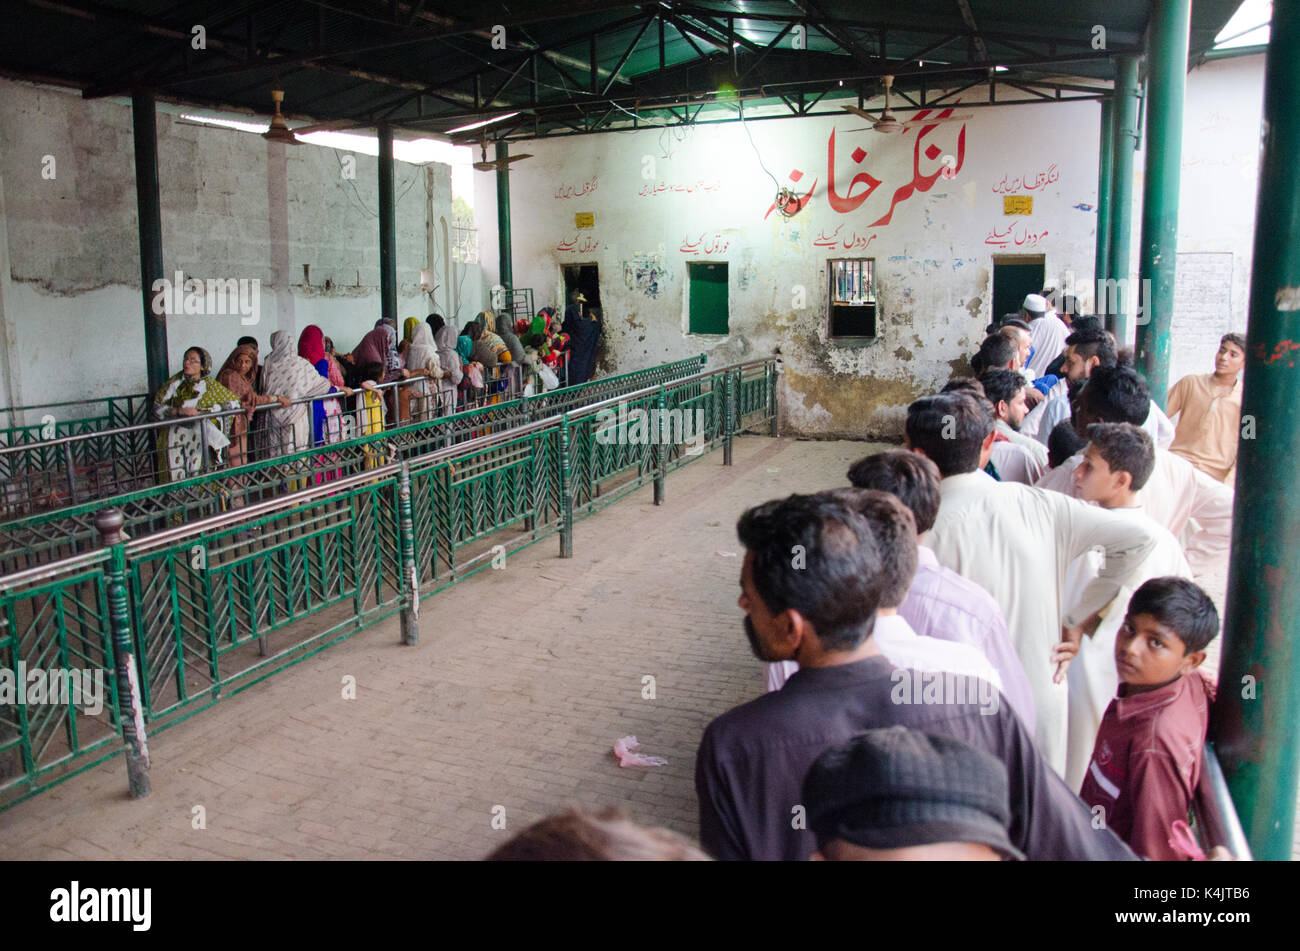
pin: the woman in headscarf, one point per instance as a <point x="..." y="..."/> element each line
<point x="326" y="421"/>
<point x="421" y="362"/>
<point x="471" y="370"/>
<point x="292" y="376"/>
<point x="408" y="335"/>
<point x="192" y="392"/>
<point x="238" y="374"/>
<point x="444" y="338"/>
<point x="335" y="375"/>
<point x="379" y="346"/>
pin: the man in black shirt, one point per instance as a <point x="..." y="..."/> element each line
<point x="810" y="584"/>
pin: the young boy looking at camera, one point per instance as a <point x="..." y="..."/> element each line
<point x="1147" y="759"/>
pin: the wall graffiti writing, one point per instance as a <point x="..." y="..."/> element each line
<point x="1279" y="352"/>
<point x="715" y="244"/>
<point x="863" y="184"/>
<point x="646" y="273"/>
<point x="663" y="188"/>
<point x="1018" y="233"/>
<point x="825" y="240"/>
<point x="582" y="244"/>
<point x="1028" y="183"/>
<point x="574" y="191"/>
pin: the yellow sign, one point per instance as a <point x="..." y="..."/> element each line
<point x="585" y="219"/>
<point x="1018" y="205"/>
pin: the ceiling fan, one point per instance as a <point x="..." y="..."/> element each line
<point x="496" y="164"/>
<point x="279" y="130"/>
<point x="889" y="123"/>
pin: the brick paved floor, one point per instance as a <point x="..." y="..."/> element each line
<point x="521" y="683"/>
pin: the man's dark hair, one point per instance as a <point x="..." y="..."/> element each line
<point x="1181" y="606"/>
<point x="1126" y="448"/>
<point x="1093" y="342"/>
<point x="950" y="429"/>
<point x="837" y="582"/>
<point x="1011" y="320"/>
<point x="1116" y="395"/>
<point x="1000" y="385"/>
<point x="994" y="353"/>
<point x="1238" y="339"/>
<point x="435" y="322"/>
<point x="1086" y="322"/>
<point x="908" y="475"/>
<point x="1063" y="442"/>
<point x="1126" y="357"/>
<point x="894" y="529"/>
<point x="964" y="384"/>
<point x="248" y="342"/>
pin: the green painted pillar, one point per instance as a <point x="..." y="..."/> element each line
<point x="1166" y="86"/>
<point x="387" y="228"/>
<point x="1121" y="213"/>
<point x="1253" y="723"/>
<point x="1105" y="183"/>
<point x="507" y="278"/>
<point x="144" y="126"/>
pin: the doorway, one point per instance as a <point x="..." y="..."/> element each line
<point x="585" y="279"/>
<point x="1014" y="277"/>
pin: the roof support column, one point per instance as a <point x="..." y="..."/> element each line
<point x="1105" y="184"/>
<point x="1117" y="308"/>
<point x="1166" y="86"/>
<point x="387" y="227"/>
<point x="1253" y="724"/>
<point x="144" y="125"/>
<point x="505" y="271"/>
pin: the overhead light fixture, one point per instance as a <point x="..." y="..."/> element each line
<point x="999" y="69"/>
<point x="479" y="125"/>
<point x="920" y="64"/>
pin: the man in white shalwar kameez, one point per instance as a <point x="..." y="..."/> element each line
<point x="1016" y="542"/>
<point x="1177" y="492"/>
<point x="1116" y="465"/>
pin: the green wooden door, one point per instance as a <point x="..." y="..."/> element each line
<point x="708" y="297"/>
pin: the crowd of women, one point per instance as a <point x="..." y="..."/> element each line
<point x="299" y="397"/>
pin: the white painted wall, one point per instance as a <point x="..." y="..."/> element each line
<point x="659" y="202"/>
<point x="233" y="206"/>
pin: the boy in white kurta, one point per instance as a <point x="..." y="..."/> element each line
<point x="1116" y="465"/>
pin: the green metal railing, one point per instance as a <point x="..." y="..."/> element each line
<point x="40" y="538"/>
<point x="206" y="608"/>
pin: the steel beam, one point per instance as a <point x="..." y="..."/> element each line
<point x="1166" y="87"/>
<point x="1121" y="212"/>
<point x="1253" y="721"/>
<point x="504" y="269"/>
<point x="387" y="227"/>
<point x="144" y="124"/>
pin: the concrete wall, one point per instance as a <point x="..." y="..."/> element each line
<point x="233" y="207"/>
<point x="662" y="198"/>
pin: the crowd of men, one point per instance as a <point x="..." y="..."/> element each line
<point x="986" y="646"/>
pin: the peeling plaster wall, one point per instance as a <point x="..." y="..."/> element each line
<point x="662" y="199"/>
<point x="233" y="206"/>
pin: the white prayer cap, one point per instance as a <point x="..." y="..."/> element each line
<point x="1035" y="303"/>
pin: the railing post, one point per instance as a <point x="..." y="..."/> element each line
<point x="72" y="474"/>
<point x="772" y="379"/>
<point x="728" y="409"/>
<point x="661" y="450"/>
<point x="129" y="701"/>
<point x="566" y="491"/>
<point x="406" y="532"/>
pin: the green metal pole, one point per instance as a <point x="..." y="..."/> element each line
<point x="1253" y="724"/>
<point x="1166" y="84"/>
<point x="144" y="125"/>
<point x="387" y="227"/>
<point x="503" y="216"/>
<point x="566" y="491"/>
<point x="1121" y="214"/>
<point x="410" y="580"/>
<point x="661" y="450"/>
<point x="728" y="411"/>
<point x="1105" y="183"/>
<point x="130" y="704"/>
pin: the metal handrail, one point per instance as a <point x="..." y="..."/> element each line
<point x="469" y="447"/>
<point x="1216" y="815"/>
<point x="67" y="565"/>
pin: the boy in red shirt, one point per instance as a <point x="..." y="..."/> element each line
<point x="1146" y="762"/>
